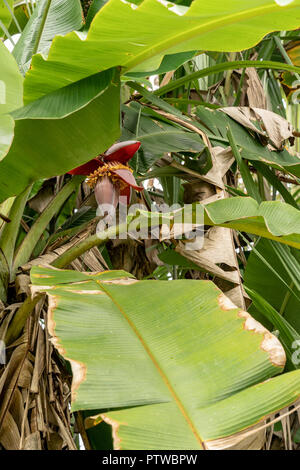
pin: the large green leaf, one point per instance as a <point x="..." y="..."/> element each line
<point x="11" y="82"/>
<point x="137" y="38"/>
<point x="62" y="130"/>
<point x="49" y="18"/>
<point x="11" y="91"/>
<point x="271" y="219"/>
<point x="184" y="366"/>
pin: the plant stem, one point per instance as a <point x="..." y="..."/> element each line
<point x="28" y="244"/>
<point x="94" y="240"/>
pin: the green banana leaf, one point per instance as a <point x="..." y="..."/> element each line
<point x="60" y="131"/>
<point x="11" y="97"/>
<point x="271" y="219"/>
<point x="137" y="38"/>
<point x="50" y="18"/>
<point x="183" y="366"/>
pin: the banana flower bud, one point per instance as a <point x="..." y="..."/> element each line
<point x="110" y="175"/>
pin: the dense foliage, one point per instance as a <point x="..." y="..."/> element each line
<point x="127" y="328"/>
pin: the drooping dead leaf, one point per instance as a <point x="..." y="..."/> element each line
<point x="278" y="129"/>
<point x="267" y="124"/>
<point x="217" y="256"/>
<point x="33" y="441"/>
<point x="222" y="161"/>
<point x="41" y="200"/>
<point x="216" y="251"/>
<point x="255" y="91"/>
<point x="22" y="285"/>
<point x="9" y="433"/>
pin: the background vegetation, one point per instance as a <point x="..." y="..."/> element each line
<point x="122" y="343"/>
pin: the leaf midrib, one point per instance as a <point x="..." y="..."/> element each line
<point x="156" y="365"/>
<point x="41" y="28"/>
<point x="197" y="30"/>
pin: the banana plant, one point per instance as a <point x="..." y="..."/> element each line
<point x="179" y="362"/>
